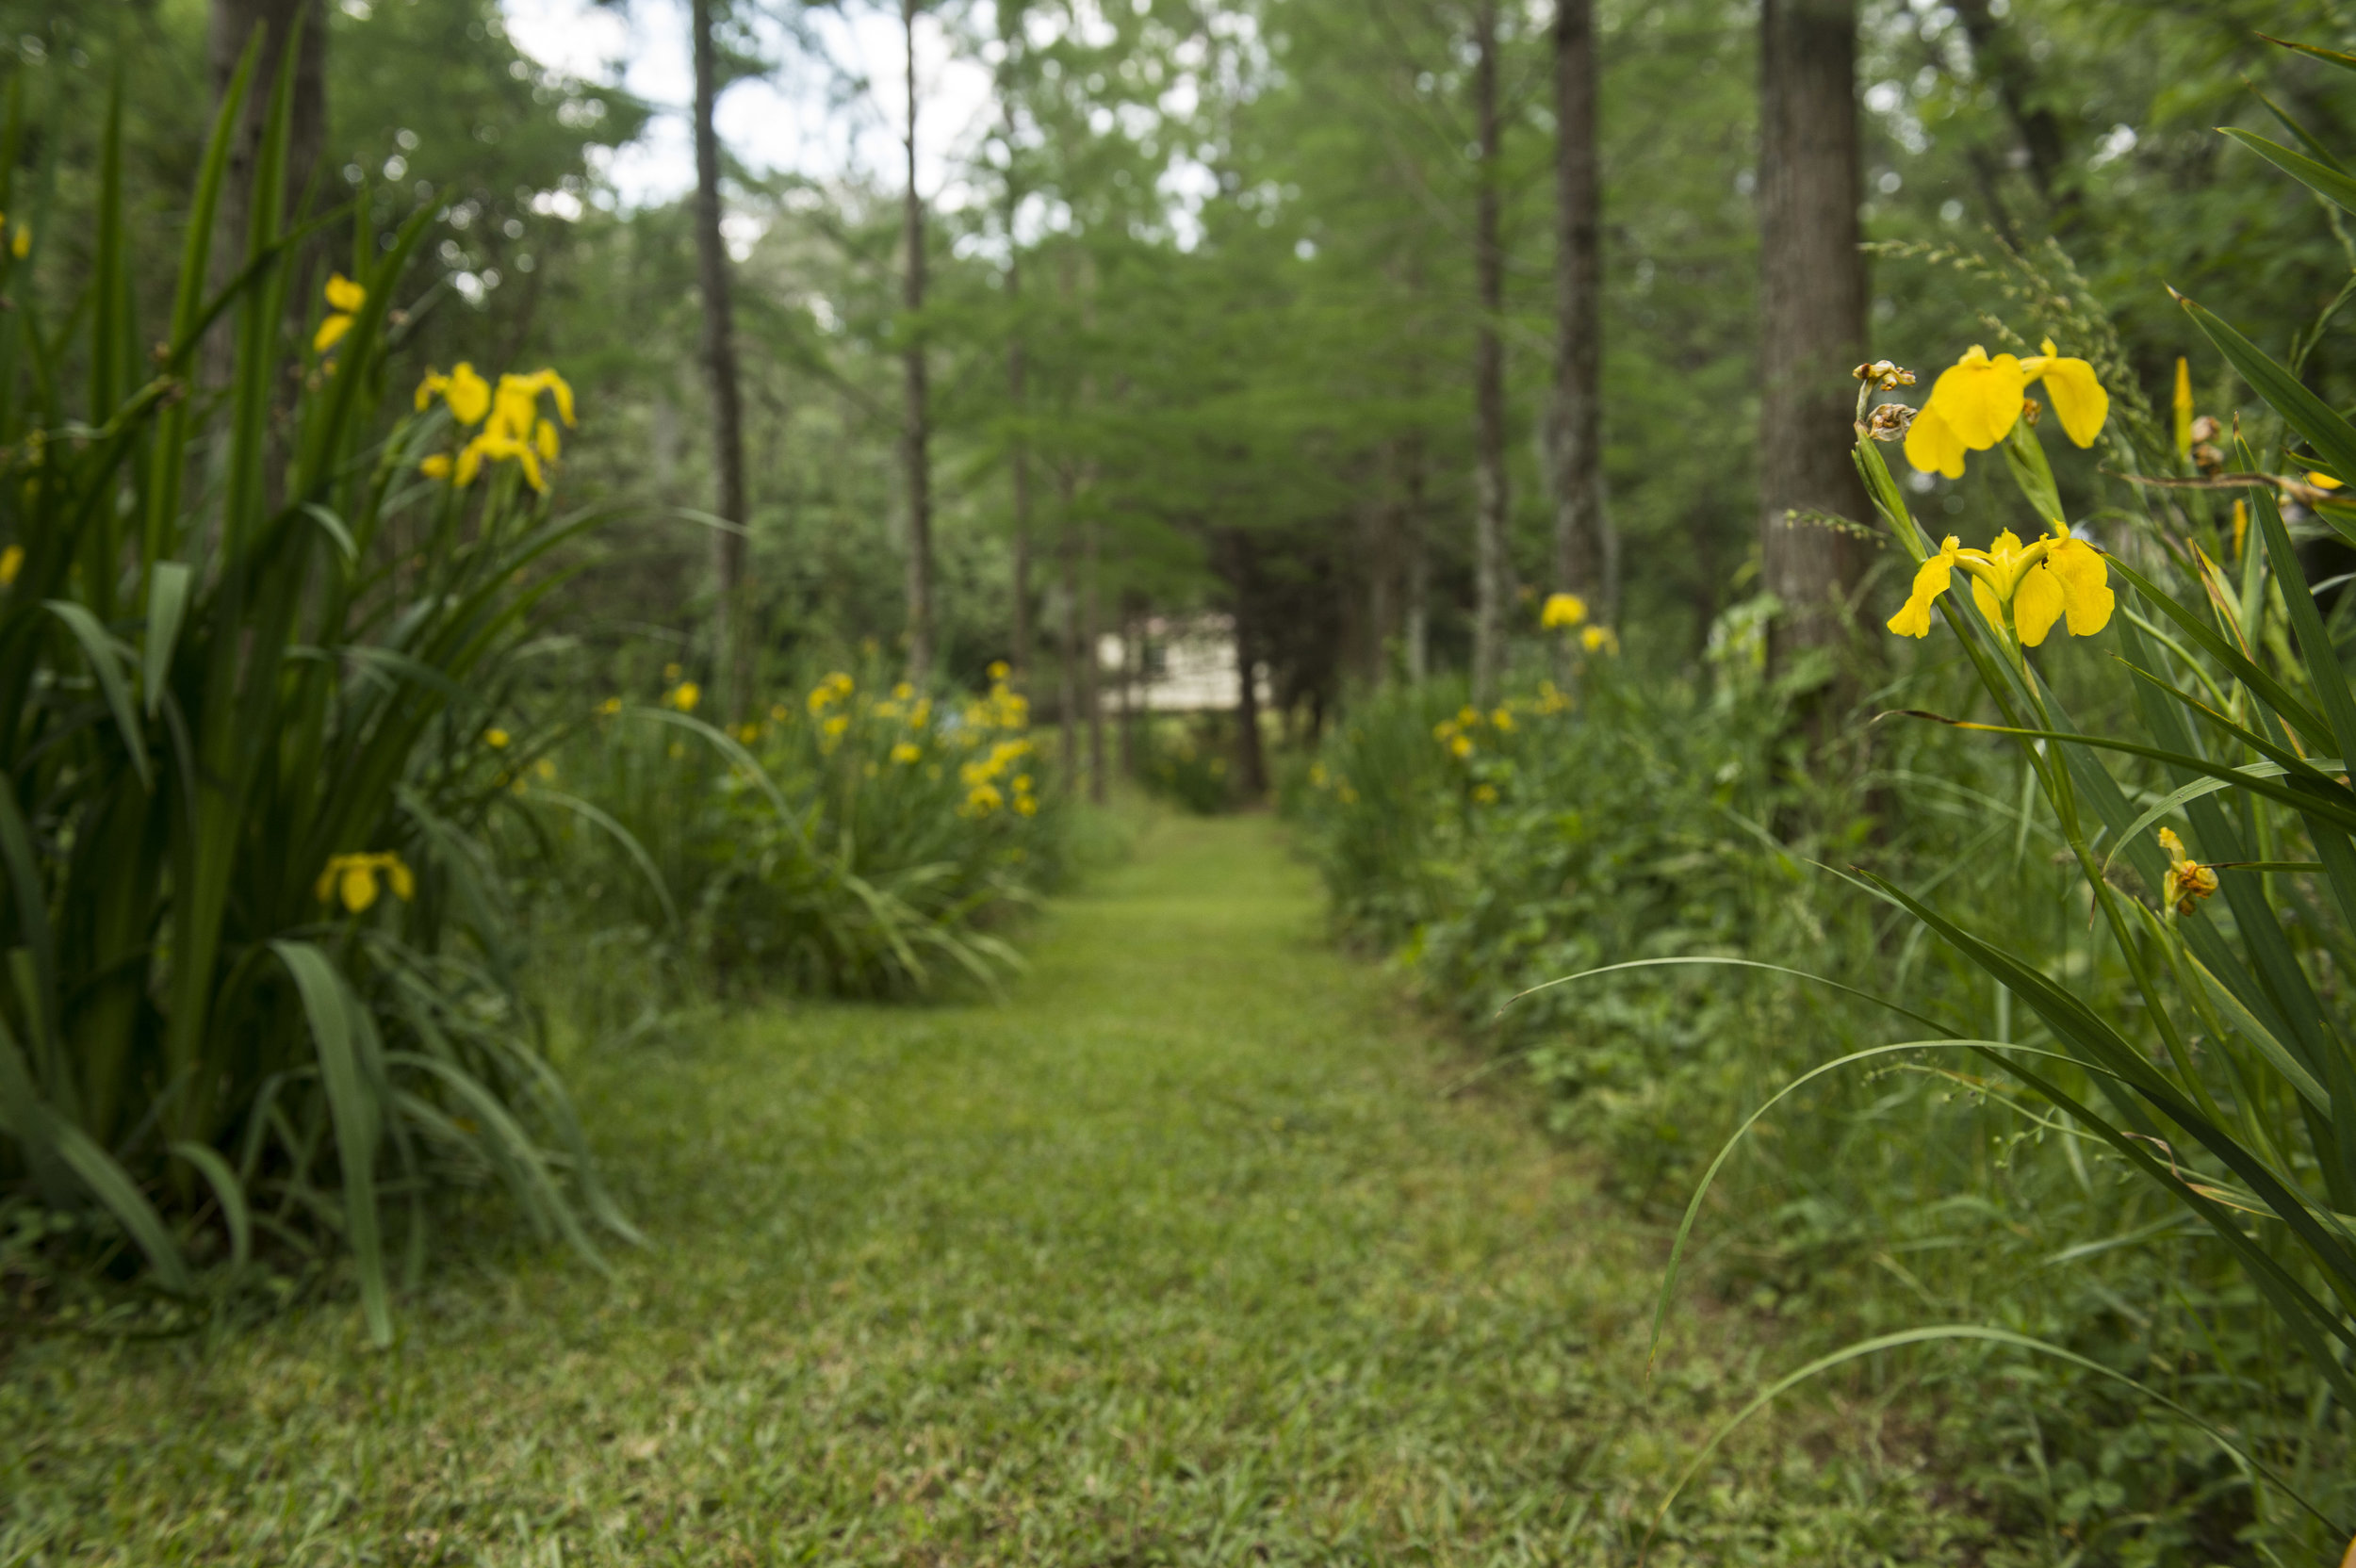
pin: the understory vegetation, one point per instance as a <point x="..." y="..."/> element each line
<point x="2062" y="1019"/>
<point x="313" y="844"/>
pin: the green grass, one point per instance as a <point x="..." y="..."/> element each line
<point x="1182" y="1254"/>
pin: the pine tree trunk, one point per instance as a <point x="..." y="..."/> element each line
<point x="231" y="26"/>
<point x="1067" y="645"/>
<point x="1132" y="657"/>
<point x="1489" y="542"/>
<point x="1416" y="614"/>
<point x="1018" y="395"/>
<point x="1575" y="443"/>
<point x="917" y="438"/>
<point x="1811" y="314"/>
<point x="1091" y="693"/>
<point x="1251" y="763"/>
<point x="1378" y="536"/>
<point x="731" y="633"/>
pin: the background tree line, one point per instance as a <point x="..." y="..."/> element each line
<point x="1368" y="322"/>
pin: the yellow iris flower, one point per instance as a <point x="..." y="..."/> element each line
<point x="1599" y="639"/>
<point x="683" y="696"/>
<point x="907" y="752"/>
<point x="513" y="431"/>
<point x="1562" y="610"/>
<point x="344" y="300"/>
<point x="2026" y="587"/>
<point x="352" y="877"/>
<point x="11" y="562"/>
<point x="1977" y="400"/>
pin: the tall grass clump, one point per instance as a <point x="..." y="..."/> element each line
<point x="858" y="839"/>
<point x="259" y="984"/>
<point x="2209" y="829"/>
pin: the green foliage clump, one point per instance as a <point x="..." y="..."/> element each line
<point x="861" y="838"/>
<point x="1688" y="833"/>
<point x="1186" y="761"/>
<point x="260" y="977"/>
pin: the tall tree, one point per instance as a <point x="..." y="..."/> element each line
<point x="1576" y="425"/>
<point x="917" y="433"/>
<point x="1068" y="644"/>
<point x="231" y="27"/>
<point x="1018" y="395"/>
<point x="1489" y="560"/>
<point x="732" y="634"/>
<point x="1092" y="665"/>
<point x="1812" y="313"/>
<point x="1244" y="576"/>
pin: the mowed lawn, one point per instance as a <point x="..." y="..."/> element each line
<point x="1181" y="1254"/>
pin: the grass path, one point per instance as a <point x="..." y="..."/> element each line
<point x="1179" y="1255"/>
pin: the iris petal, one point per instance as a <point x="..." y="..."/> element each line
<point x="1931" y="580"/>
<point x="468" y="395"/>
<point x="2036" y="604"/>
<point x="1933" y="447"/>
<point x="2078" y="399"/>
<point x="1979" y="398"/>
<point x="1986" y="601"/>
<point x="2077" y="567"/>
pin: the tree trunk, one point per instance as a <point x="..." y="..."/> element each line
<point x="918" y="434"/>
<point x="1018" y="394"/>
<point x="1811" y="314"/>
<point x="1068" y="639"/>
<point x="1490" y="588"/>
<point x="1575" y="447"/>
<point x="1132" y="657"/>
<point x="1377" y="540"/>
<point x="732" y="634"/>
<point x="1417" y="615"/>
<point x="231" y="26"/>
<point x="1092" y="692"/>
<point x="1250" y="764"/>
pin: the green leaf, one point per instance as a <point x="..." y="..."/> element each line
<point x="112" y="1185"/>
<point x="169" y="587"/>
<point x="2329" y="57"/>
<point x="630" y="846"/>
<point x="106" y="655"/>
<point x="227" y="1191"/>
<point x="2177" y="799"/>
<point x="2321" y="178"/>
<point x="354" y="1104"/>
